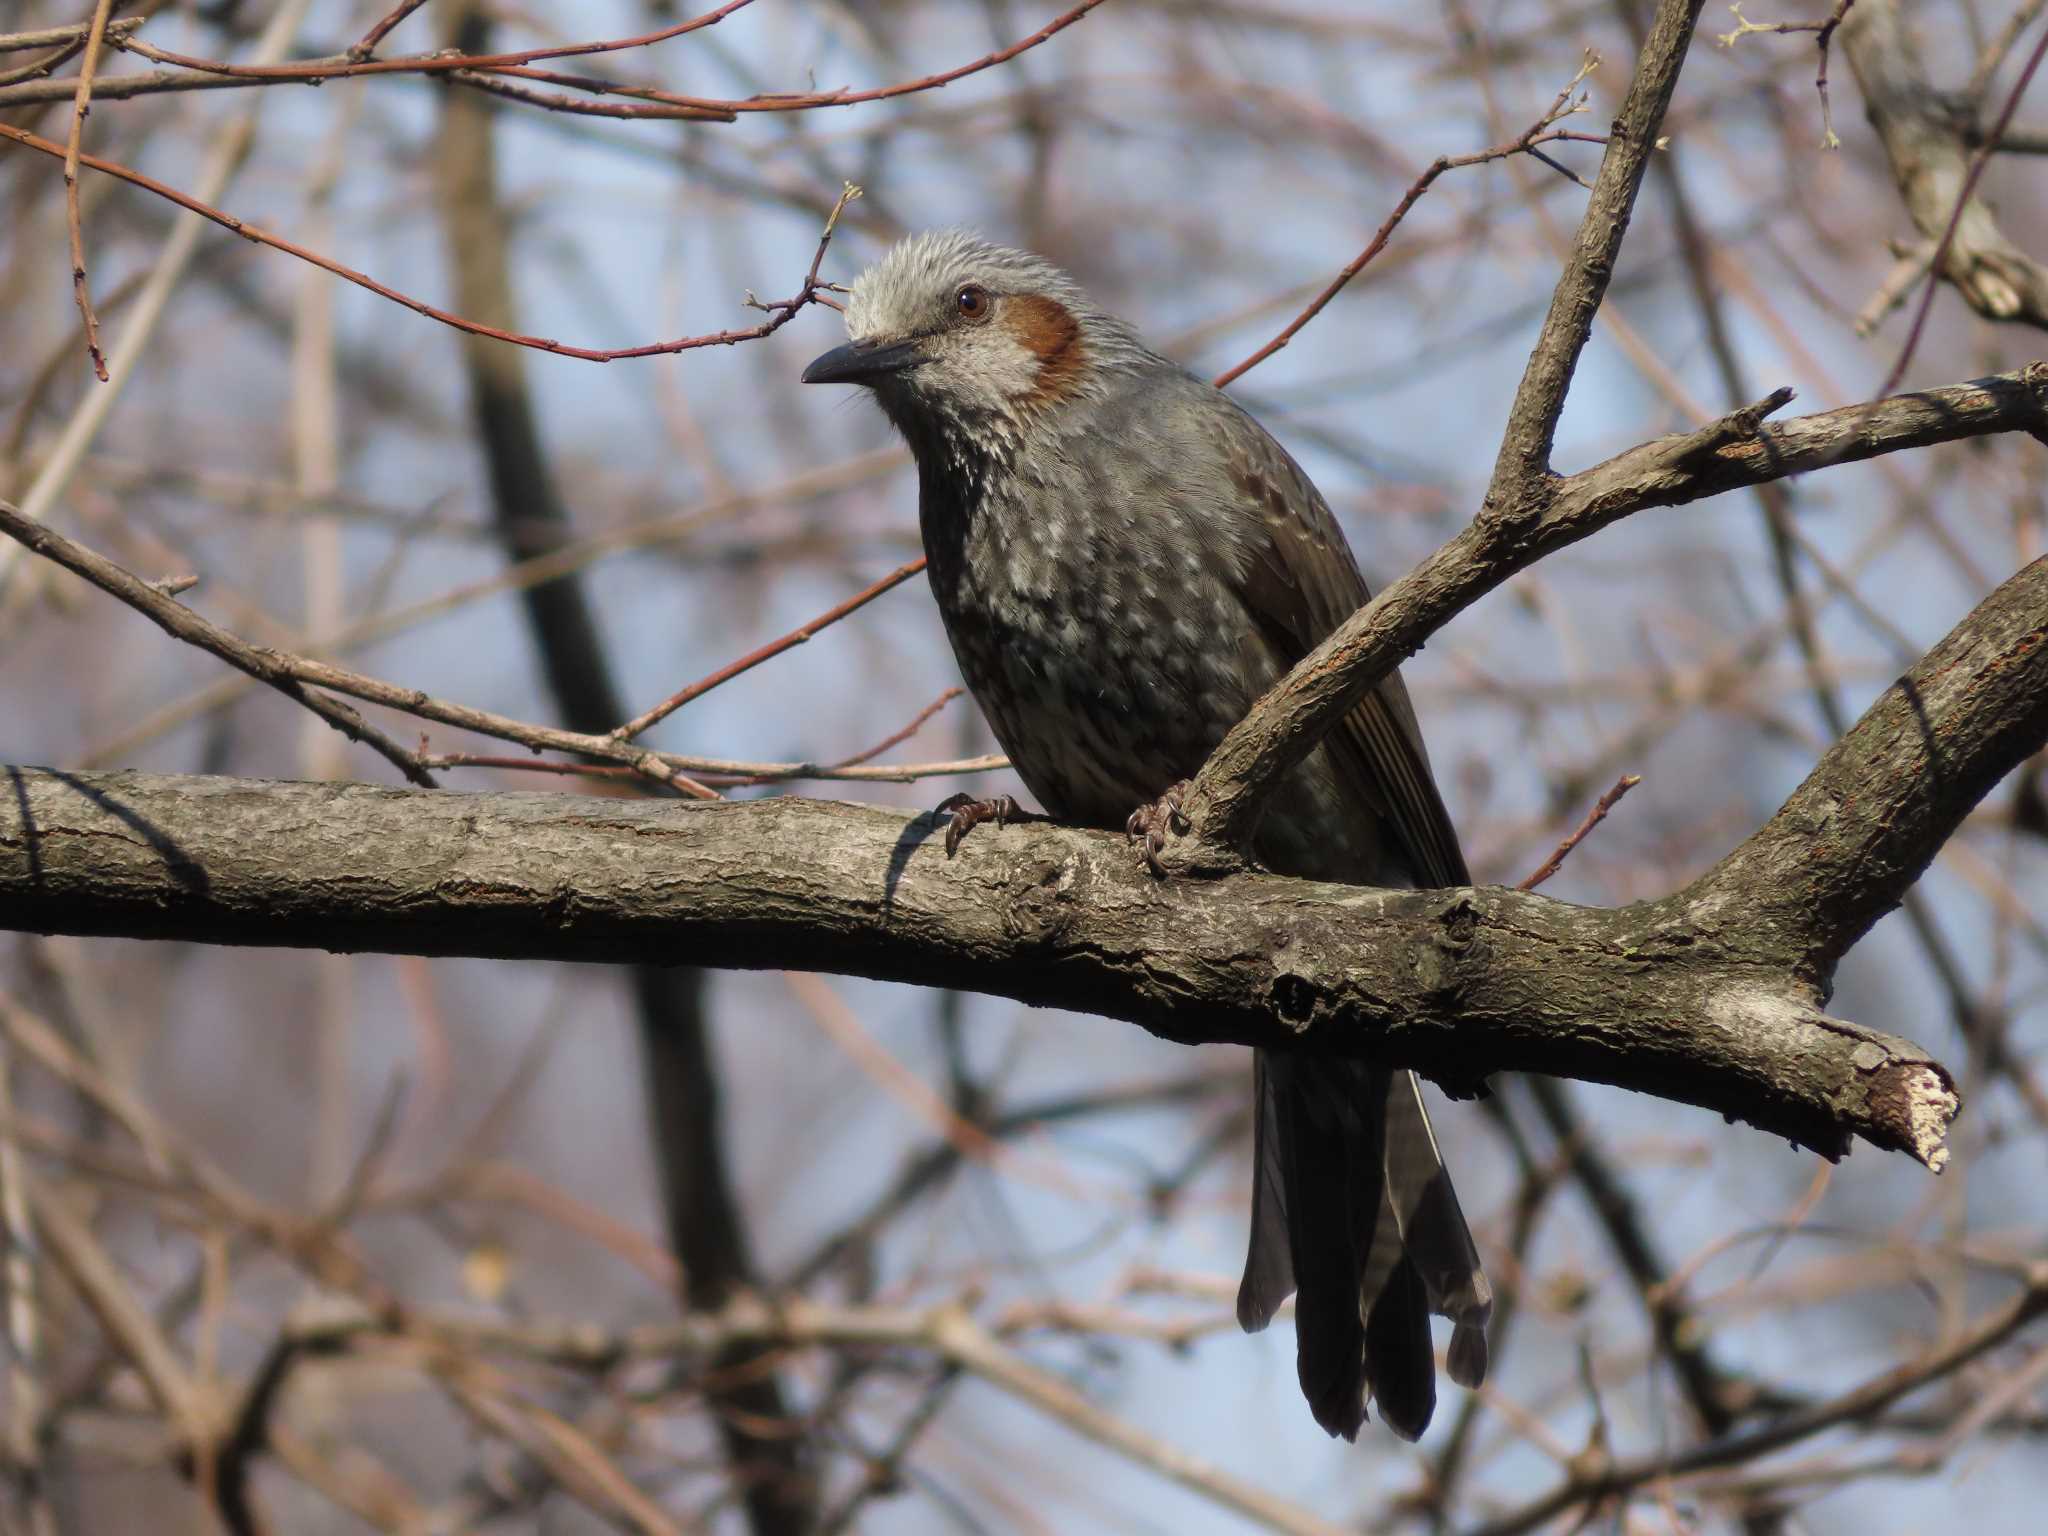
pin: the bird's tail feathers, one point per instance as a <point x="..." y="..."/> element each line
<point x="1352" y="1204"/>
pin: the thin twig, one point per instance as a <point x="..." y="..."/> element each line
<point x="225" y="150"/>
<point x="285" y="670"/>
<point x="74" y="1249"/>
<point x="367" y="44"/>
<point x="519" y="576"/>
<point x="1540" y="132"/>
<point x="894" y="738"/>
<point x="348" y="65"/>
<point x="948" y="1331"/>
<point x="81" y="104"/>
<point x="181" y="623"/>
<point x="798" y="636"/>
<point x="203" y="72"/>
<point x="731" y="773"/>
<point x="780" y="311"/>
<point x="1826" y="27"/>
<point x="67" y="42"/>
<point x="1594" y="817"/>
<point x="58" y="37"/>
<point x="784" y="772"/>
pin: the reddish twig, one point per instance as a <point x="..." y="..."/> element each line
<point x="182" y="623"/>
<point x="1820" y="79"/>
<point x="1940" y="259"/>
<point x="812" y="100"/>
<point x="1826" y="27"/>
<point x="1539" y="133"/>
<point x="81" y="104"/>
<point x="554" y="101"/>
<point x="895" y="738"/>
<point x="754" y="658"/>
<point x="315" y="71"/>
<point x="1594" y="817"/>
<point x="345" y="66"/>
<point x="370" y="39"/>
<point x="780" y="311"/>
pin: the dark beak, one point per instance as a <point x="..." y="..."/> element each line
<point x="862" y="362"/>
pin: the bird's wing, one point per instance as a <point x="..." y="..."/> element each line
<point x="1299" y="583"/>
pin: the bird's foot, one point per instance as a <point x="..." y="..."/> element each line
<point x="967" y="813"/>
<point x="1150" y="825"/>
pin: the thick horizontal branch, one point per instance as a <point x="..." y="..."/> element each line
<point x="1453" y="983"/>
<point x="1737" y="451"/>
<point x="1711" y="996"/>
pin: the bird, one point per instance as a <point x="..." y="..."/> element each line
<point x="1124" y="561"/>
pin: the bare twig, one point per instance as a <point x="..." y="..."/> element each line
<point x="798" y="636"/>
<point x="780" y="311"/>
<point x="350" y="65"/>
<point x="1928" y="142"/>
<point x="1999" y="47"/>
<point x="77" y="1253"/>
<point x="224" y="152"/>
<point x="1542" y="131"/>
<point x="577" y="1464"/>
<point x="1594" y="817"/>
<point x="894" y="738"/>
<point x="1744" y="27"/>
<point x="81" y="104"/>
<point x="175" y="619"/>
<point x="949" y="1331"/>
<point x="367" y="44"/>
<point x="58" y="37"/>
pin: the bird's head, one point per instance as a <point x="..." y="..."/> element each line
<point x="967" y="342"/>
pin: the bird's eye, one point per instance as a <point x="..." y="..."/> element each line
<point x="972" y="301"/>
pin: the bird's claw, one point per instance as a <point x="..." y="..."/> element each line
<point x="1150" y="825"/>
<point x="967" y="813"/>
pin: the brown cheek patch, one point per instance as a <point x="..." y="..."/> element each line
<point x="1046" y="330"/>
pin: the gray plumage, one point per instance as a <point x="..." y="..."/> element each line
<point x="1125" y="561"/>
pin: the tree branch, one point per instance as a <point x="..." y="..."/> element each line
<point x="1524" y="460"/>
<point x="1710" y="996"/>
<point x="1737" y="451"/>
